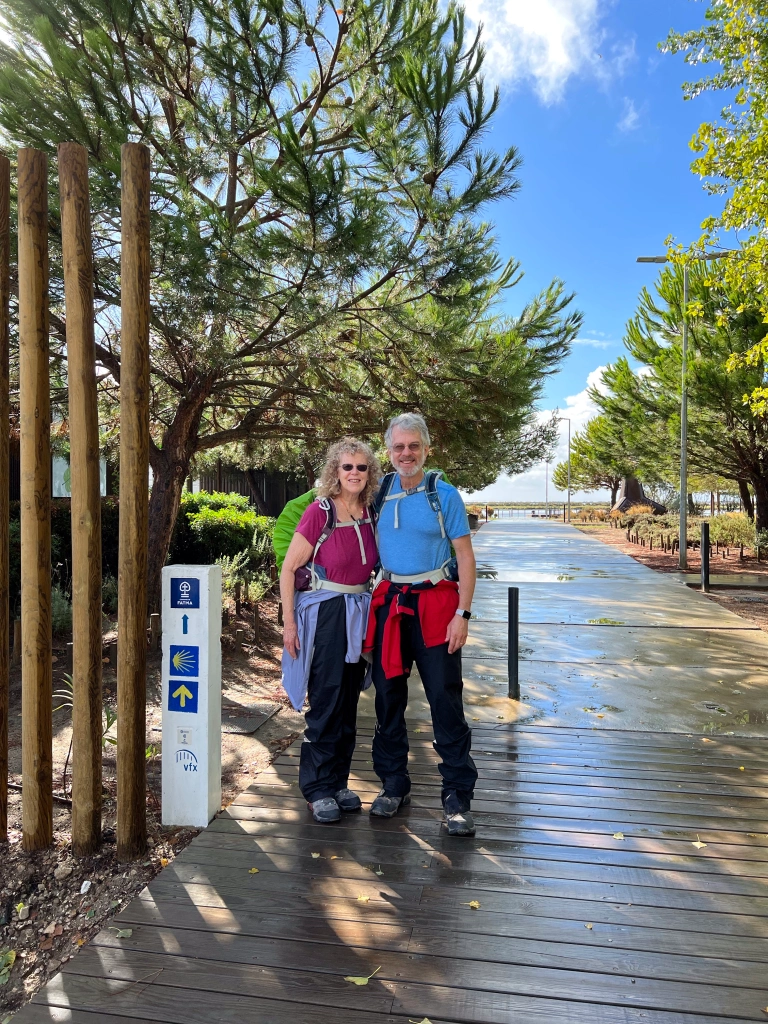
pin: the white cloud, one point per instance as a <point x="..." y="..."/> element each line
<point x="547" y="42"/>
<point x="531" y="486"/>
<point x="600" y="342"/>
<point x="630" y="119"/>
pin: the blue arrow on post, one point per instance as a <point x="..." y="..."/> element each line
<point x="184" y="623"/>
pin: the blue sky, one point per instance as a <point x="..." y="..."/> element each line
<point x="598" y="115"/>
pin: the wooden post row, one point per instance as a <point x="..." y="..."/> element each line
<point x="134" y="486"/>
<point x="34" y="400"/>
<point x="86" y="499"/>
<point x="5" y="246"/>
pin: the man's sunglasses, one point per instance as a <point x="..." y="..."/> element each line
<point x="348" y="467"/>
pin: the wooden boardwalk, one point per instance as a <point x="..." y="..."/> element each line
<point x="595" y="906"/>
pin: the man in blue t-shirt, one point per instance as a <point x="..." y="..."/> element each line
<point x="421" y="615"/>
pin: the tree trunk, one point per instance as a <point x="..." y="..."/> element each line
<point x="257" y="495"/>
<point x="760" y="486"/>
<point x="309" y="471"/>
<point x="691" y="506"/>
<point x="170" y="467"/>
<point x="615" y="485"/>
<point x="746" y="499"/>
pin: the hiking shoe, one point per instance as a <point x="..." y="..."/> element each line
<point x="385" y="806"/>
<point x="459" y="824"/>
<point x="326" y="810"/>
<point x="458" y="821"/>
<point x="348" y="801"/>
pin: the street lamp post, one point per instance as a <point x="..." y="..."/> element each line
<point x="546" y="489"/>
<point x="683" y="545"/>
<point x="566" y="419"/>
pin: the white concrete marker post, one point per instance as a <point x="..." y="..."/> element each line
<point x="191" y="694"/>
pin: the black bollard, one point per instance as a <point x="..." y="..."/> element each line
<point x="513" y="643"/>
<point x="705" y="557"/>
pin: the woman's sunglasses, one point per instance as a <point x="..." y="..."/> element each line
<point x="348" y="467"/>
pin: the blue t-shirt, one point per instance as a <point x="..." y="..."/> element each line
<point x="416" y="545"/>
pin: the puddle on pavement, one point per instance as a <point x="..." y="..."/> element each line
<point x="709" y="705"/>
<point x="604" y="707"/>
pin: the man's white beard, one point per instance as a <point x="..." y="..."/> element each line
<point x="410" y="470"/>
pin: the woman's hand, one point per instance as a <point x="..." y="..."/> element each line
<point x="291" y="639"/>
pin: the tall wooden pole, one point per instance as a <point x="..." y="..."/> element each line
<point x="134" y="504"/>
<point x="36" y="667"/>
<point x="5" y="245"/>
<point x="86" y="499"/>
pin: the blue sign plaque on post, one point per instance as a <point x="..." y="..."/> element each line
<point x="185" y="593"/>
<point x="184" y="660"/>
<point x="182" y="695"/>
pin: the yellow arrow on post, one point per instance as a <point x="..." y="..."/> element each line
<point x="183" y="694"/>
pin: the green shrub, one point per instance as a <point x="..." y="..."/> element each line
<point x="109" y="594"/>
<point x="732" y="529"/>
<point x="61" y="542"/>
<point x="61" y="612"/>
<point x="221" y="532"/>
<point x="202" y="546"/>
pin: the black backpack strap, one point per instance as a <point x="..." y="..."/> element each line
<point x="434" y="498"/>
<point x="384" y="488"/>
<point x="330" y="522"/>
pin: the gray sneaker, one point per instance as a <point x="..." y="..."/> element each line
<point x="385" y="806"/>
<point x="348" y="801"/>
<point x="326" y="810"/>
<point x="460" y="824"/>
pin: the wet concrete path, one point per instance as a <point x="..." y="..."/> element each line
<point x="606" y="642"/>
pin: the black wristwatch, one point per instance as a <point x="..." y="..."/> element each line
<point x="464" y="614"/>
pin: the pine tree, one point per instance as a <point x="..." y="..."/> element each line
<point x="318" y="257"/>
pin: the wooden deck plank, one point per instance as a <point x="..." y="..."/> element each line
<point x="574" y="925"/>
<point x="601" y="850"/>
<point x="429" y="865"/>
<point x="317" y="973"/>
<point x="420" y="932"/>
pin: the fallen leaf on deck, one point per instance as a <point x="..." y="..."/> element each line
<point x="253" y="871"/>
<point x="474" y="905"/>
<point x="601" y="716"/>
<point x="122" y="933"/>
<point x="164" y="862"/>
<point x="425" y="1021"/>
<point x="335" y="856"/>
<point x="698" y="844"/>
<point x="589" y="926"/>
<point x="362" y="980"/>
<point x="618" y="835"/>
<point x="363" y="899"/>
<point x="315" y="855"/>
<point x="378" y="871"/>
<point x="741" y="767"/>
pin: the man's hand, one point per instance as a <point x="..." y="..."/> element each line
<point x="291" y="639"/>
<point x="456" y="636"/>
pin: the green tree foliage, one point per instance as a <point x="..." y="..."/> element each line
<point x="318" y="257"/>
<point x="731" y="152"/>
<point x="599" y="459"/>
<point x="725" y="436"/>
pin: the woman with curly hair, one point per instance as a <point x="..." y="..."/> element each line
<point x="325" y="590"/>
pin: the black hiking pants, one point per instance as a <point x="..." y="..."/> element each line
<point x="440" y="673"/>
<point x="333" y="693"/>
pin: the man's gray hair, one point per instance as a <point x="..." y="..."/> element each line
<point x="407" y="421"/>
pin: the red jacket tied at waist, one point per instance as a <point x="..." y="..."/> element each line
<point x="436" y="605"/>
